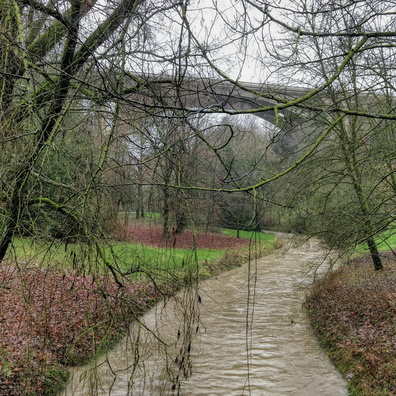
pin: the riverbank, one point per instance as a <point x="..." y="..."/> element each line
<point x="51" y="320"/>
<point x="353" y="314"/>
<point x="242" y="332"/>
<point x="56" y="317"/>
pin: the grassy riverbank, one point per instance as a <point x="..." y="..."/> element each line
<point x="353" y="314"/>
<point x="63" y="304"/>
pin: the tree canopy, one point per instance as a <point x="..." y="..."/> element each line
<point x="79" y="79"/>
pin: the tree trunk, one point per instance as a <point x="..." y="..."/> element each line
<point x="355" y="173"/>
<point x="48" y="126"/>
<point x="181" y="222"/>
<point x="165" y="214"/>
<point x="14" y="213"/>
<point x="374" y="254"/>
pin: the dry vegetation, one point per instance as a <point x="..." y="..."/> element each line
<point x="50" y="320"/>
<point x="353" y="312"/>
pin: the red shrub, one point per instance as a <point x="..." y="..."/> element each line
<point x="49" y="318"/>
<point x="153" y="236"/>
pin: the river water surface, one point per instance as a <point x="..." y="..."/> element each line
<point x="253" y="339"/>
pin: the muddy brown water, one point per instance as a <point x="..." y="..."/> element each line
<point x="253" y="339"/>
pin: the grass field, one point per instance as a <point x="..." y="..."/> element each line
<point x="386" y="241"/>
<point x="125" y="256"/>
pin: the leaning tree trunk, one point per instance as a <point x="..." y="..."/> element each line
<point x="374" y="254"/>
<point x="355" y="173"/>
<point x="48" y="127"/>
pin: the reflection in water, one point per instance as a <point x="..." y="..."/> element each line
<point x="253" y="339"/>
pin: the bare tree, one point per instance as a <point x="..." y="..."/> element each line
<point x="76" y="75"/>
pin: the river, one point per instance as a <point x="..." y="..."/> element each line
<point x="252" y="338"/>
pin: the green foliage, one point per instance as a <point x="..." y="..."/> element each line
<point x="55" y="380"/>
<point x="62" y="198"/>
<point x="236" y="212"/>
<point x="48" y="222"/>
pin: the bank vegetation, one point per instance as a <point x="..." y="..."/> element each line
<point x="353" y="314"/>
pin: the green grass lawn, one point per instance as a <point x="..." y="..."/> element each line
<point x="123" y="255"/>
<point x="385" y="241"/>
<point x="129" y="258"/>
<point x="128" y="253"/>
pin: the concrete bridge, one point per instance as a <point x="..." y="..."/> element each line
<point x="214" y="96"/>
<point x="249" y="97"/>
